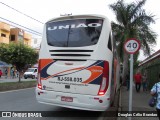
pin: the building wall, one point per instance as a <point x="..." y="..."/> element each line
<point x="152" y="70"/>
<point x="13" y="35"/>
<point x="4" y="33"/>
<point x="36" y="41"/>
<point x="17" y="35"/>
<point x="152" y="74"/>
<point x="27" y="39"/>
<point x="9" y="35"/>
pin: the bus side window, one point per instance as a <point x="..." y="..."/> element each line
<point x="110" y="43"/>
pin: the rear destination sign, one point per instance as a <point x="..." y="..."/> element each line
<point x="81" y="25"/>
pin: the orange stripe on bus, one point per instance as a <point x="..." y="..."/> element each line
<point x="63" y="72"/>
<point x="96" y="71"/>
<point x="45" y="62"/>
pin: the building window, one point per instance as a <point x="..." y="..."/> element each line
<point x="3" y="35"/>
<point x="12" y="37"/>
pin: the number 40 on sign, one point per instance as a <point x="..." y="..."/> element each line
<point x="132" y="45"/>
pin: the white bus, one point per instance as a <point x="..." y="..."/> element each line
<point x="78" y="63"/>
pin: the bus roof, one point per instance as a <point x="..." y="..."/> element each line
<point x="77" y="16"/>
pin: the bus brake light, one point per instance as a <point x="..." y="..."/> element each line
<point x="39" y="86"/>
<point x="39" y="76"/>
<point x="105" y="80"/>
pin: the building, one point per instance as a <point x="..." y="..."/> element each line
<point x="36" y="41"/>
<point x="9" y="35"/>
<point x="18" y="35"/>
<point x="151" y="66"/>
<point x="151" y="58"/>
<point x="27" y="39"/>
<point x="4" y="33"/>
<point x="15" y="35"/>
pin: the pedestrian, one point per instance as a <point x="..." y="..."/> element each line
<point x="11" y="73"/>
<point x="138" y="80"/>
<point x="6" y="72"/>
<point x="17" y="74"/>
<point x="144" y="82"/>
<point x="127" y="81"/>
<point x="1" y="73"/>
<point x="156" y="91"/>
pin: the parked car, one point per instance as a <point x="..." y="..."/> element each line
<point x="31" y="73"/>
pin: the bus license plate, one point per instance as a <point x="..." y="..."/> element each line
<point x="66" y="99"/>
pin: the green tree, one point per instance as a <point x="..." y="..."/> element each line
<point x="132" y="22"/>
<point x="19" y="55"/>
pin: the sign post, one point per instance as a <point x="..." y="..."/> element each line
<point x="131" y="46"/>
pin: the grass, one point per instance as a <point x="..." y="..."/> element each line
<point x="16" y="85"/>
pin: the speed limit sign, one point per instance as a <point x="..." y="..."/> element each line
<point x="132" y="45"/>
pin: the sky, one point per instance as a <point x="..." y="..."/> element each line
<point x="44" y="10"/>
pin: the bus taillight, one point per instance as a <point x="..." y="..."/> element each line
<point x="39" y="75"/>
<point x="39" y="86"/>
<point x="105" y="80"/>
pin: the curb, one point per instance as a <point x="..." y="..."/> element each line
<point x="119" y="104"/>
<point x="114" y="108"/>
<point x="15" y="90"/>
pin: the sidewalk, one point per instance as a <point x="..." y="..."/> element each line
<point x="139" y="103"/>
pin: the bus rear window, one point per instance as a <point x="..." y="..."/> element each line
<point x="74" y="33"/>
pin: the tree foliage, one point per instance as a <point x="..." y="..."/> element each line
<point x="132" y="22"/>
<point x="19" y="55"/>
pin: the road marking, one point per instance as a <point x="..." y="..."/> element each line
<point x="16" y="90"/>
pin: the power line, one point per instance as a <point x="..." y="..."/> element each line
<point x="21" y="25"/>
<point x="21" y="12"/>
<point x="33" y="31"/>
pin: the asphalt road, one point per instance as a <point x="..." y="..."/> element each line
<point x="25" y="100"/>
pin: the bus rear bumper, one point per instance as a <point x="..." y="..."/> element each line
<point x="83" y="102"/>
